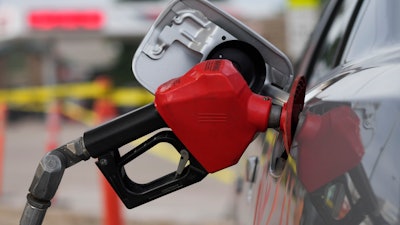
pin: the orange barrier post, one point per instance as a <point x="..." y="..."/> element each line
<point x="3" y="119"/>
<point x="53" y="125"/>
<point x="105" y="110"/>
<point x="112" y="214"/>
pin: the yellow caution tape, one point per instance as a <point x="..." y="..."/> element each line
<point x="303" y="3"/>
<point x="79" y="113"/>
<point x="131" y="97"/>
<point x="37" y="99"/>
<point x="20" y="96"/>
<point x="35" y="96"/>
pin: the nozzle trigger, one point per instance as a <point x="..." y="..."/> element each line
<point x="182" y="162"/>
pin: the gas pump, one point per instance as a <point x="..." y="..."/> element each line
<point x="209" y="115"/>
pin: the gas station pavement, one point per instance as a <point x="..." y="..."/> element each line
<point x="79" y="194"/>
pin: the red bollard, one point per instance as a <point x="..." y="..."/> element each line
<point x="112" y="214"/>
<point x="53" y="125"/>
<point x="3" y="119"/>
<point x="105" y="110"/>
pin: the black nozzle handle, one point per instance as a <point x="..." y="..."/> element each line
<point x="133" y="194"/>
<point x="122" y="130"/>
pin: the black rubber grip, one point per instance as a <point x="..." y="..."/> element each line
<point x="122" y="130"/>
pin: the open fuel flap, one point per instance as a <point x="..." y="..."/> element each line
<point x="190" y="31"/>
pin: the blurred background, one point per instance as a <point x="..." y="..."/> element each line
<point x="65" y="67"/>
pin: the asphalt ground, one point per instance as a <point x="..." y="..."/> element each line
<point x="79" y="198"/>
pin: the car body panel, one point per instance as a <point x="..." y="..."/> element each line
<point x="342" y="167"/>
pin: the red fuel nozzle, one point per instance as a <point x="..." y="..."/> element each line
<point x="213" y="112"/>
<point x="213" y="115"/>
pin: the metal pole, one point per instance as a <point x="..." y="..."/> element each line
<point x="52" y="107"/>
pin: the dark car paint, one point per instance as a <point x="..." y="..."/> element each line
<point x="342" y="167"/>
